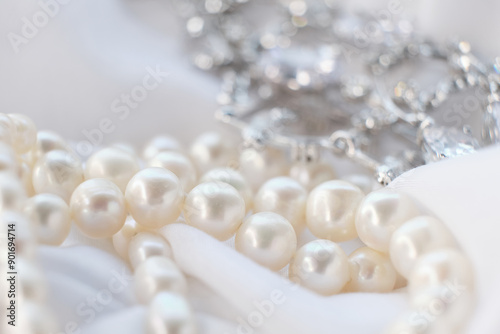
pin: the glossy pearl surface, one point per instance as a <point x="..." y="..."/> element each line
<point x="48" y="141"/>
<point x="170" y="313"/>
<point x="380" y="214"/>
<point x="57" y="172"/>
<point x="98" y="208"/>
<point x="416" y="237"/>
<point x="7" y="129"/>
<point x="155" y="275"/>
<point x="178" y="164"/>
<point x="258" y="166"/>
<point x="286" y="197"/>
<point x="438" y="268"/>
<point x="312" y="174"/>
<point x="160" y="144"/>
<point x="122" y="238"/>
<point x="268" y="239"/>
<point x="145" y="245"/>
<point x="12" y="193"/>
<point x="370" y="271"/>
<point x="211" y="150"/>
<point x="114" y="164"/>
<point x="8" y="160"/>
<point x="50" y="217"/>
<point x="215" y="208"/>
<point x="331" y="209"/>
<point x="321" y="266"/>
<point x="234" y="178"/>
<point x="154" y="197"/>
<point x="24" y="133"/>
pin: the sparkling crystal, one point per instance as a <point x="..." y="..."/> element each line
<point x="442" y="142"/>
<point x="491" y="123"/>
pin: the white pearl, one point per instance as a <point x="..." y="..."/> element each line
<point x="286" y="197"/>
<point x="380" y="214"/>
<point x="51" y="218"/>
<point x="416" y="237"/>
<point x="26" y="177"/>
<point x="234" y="178"/>
<point x="258" y="166"/>
<point x="32" y="280"/>
<point x="7" y="129"/>
<point x="24" y="133"/>
<point x="215" y="208"/>
<point x="98" y="207"/>
<point x="331" y="209"/>
<point x="321" y="266"/>
<point x="170" y="313"/>
<point x="26" y="245"/>
<point x="450" y="307"/>
<point x="178" y="164"/>
<point x="48" y="141"/>
<point x="371" y="271"/>
<point x="12" y="193"/>
<point x="154" y="197"/>
<point x="160" y="144"/>
<point x="114" y="164"/>
<point x="8" y="159"/>
<point x="155" y="275"/>
<point x="59" y="173"/>
<point x="145" y="245"/>
<point x="122" y="238"/>
<point x="268" y="239"/>
<point x="311" y="174"/>
<point x="439" y="268"/>
<point x="211" y="150"/>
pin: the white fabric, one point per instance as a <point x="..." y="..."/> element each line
<point x="92" y="51"/>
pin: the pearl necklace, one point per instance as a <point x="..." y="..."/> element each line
<point x="112" y="197"/>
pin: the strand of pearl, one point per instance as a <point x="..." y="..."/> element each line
<point x="111" y="186"/>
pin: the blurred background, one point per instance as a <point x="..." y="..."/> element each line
<point x="67" y="72"/>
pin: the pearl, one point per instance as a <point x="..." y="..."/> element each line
<point x="380" y="214"/>
<point x="50" y="217"/>
<point x="8" y="159"/>
<point x="154" y="197"/>
<point x="24" y="133"/>
<point x="98" y="207"/>
<point x="122" y="238"/>
<point x="234" y="178"/>
<point x="26" y="177"/>
<point x="114" y="164"/>
<point x="160" y="144"/>
<point x="268" y="239"/>
<point x="311" y="174"/>
<point x="7" y="129"/>
<point x="12" y="193"/>
<point x="416" y="237"/>
<point x="169" y="313"/>
<point x="438" y="268"/>
<point x="215" y="208"/>
<point x="155" y="275"/>
<point x="58" y="173"/>
<point x="321" y="266"/>
<point x="178" y="164"/>
<point x="48" y="141"/>
<point x="145" y="245"/>
<point x="331" y="209"/>
<point x="371" y="271"/>
<point x="286" y="197"/>
<point x="259" y="165"/>
<point x="211" y="150"/>
<point x="25" y="237"/>
<point x="32" y="280"/>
